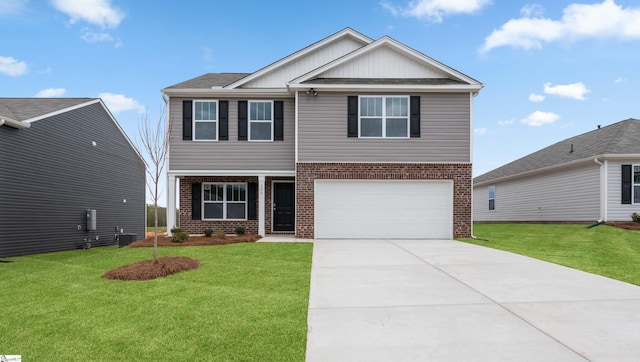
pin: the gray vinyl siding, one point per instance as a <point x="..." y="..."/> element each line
<point x="567" y="195"/>
<point x="50" y="174"/>
<point x="444" y="131"/>
<point x="231" y="154"/>
<point x="616" y="211"/>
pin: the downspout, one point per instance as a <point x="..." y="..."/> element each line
<point x="603" y="185"/>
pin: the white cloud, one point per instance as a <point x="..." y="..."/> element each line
<point x="436" y="10"/>
<point x="12" y="6"/>
<point x="91" y="37"/>
<point x="620" y="80"/>
<point x="12" y="67"/>
<point x="51" y="92"/>
<point x="536" y="97"/>
<point x="539" y="118"/>
<point x="120" y="103"/>
<point x="574" y="90"/>
<point x="507" y="122"/>
<point x="480" y="131"/>
<point x="530" y="10"/>
<point x="97" y="12"/>
<point x="603" y="20"/>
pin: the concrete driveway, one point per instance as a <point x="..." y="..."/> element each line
<point x="443" y="300"/>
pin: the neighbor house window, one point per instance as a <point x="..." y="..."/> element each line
<point x="205" y="120"/>
<point x="636" y="184"/>
<point x="224" y="201"/>
<point x="384" y="117"/>
<point x="492" y="197"/>
<point x="260" y="121"/>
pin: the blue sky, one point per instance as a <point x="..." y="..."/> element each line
<point x="552" y="69"/>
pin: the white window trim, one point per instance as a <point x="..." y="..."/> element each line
<point x="384" y="116"/>
<point x="225" y="202"/>
<point x="633" y="184"/>
<point x="492" y="198"/>
<point x="216" y="121"/>
<point x="249" y="121"/>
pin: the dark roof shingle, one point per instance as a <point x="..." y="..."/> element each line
<point x="209" y="80"/>
<point x="21" y="109"/>
<point x="619" y="138"/>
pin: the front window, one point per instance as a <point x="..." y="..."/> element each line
<point x="492" y="197"/>
<point x="205" y="120"/>
<point x="384" y="117"/>
<point x="636" y="184"/>
<point x="224" y="201"/>
<point x="260" y="121"/>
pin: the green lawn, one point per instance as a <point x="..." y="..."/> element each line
<point x="604" y="250"/>
<point x="246" y="302"/>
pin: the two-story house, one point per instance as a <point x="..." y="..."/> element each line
<point x="349" y="137"/>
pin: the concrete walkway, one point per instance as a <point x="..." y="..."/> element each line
<point x="442" y="300"/>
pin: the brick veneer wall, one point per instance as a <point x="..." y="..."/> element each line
<point x="308" y="172"/>
<point x="198" y="226"/>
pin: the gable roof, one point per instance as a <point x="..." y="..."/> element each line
<point x="621" y="138"/>
<point x="210" y="80"/>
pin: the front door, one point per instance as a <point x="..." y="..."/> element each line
<point x="284" y="206"/>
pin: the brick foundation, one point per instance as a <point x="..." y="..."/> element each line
<point x="307" y="173"/>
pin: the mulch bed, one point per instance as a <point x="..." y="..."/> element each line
<point x="150" y="269"/>
<point x="167" y="265"/>
<point x="625" y="225"/>
<point x="164" y="240"/>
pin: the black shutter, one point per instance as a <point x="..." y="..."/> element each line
<point x="278" y="121"/>
<point x="196" y="201"/>
<point x="242" y="120"/>
<point x="253" y="191"/>
<point x="414" y="112"/>
<point x="187" y="107"/>
<point x="223" y="119"/>
<point x="352" y="116"/>
<point x="626" y="184"/>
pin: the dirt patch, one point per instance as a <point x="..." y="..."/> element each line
<point x="150" y="269"/>
<point x="164" y="240"/>
<point x="625" y="225"/>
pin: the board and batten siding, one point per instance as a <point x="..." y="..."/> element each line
<point x="50" y="174"/>
<point x="444" y="131"/>
<point x="616" y="211"/>
<point x="231" y="155"/>
<point x="566" y="195"/>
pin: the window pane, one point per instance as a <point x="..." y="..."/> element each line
<point x="260" y="131"/>
<point x="371" y="107"/>
<point x="397" y="107"/>
<point x="206" y="192"/>
<point x="260" y="111"/>
<point x="236" y="192"/>
<point x="206" y="111"/>
<point x="636" y="175"/>
<point x="206" y="130"/>
<point x="636" y="194"/>
<point x="492" y="204"/>
<point x="492" y="192"/>
<point x="218" y="192"/>
<point x="397" y="127"/>
<point x="213" y="210"/>
<point x="236" y="211"/>
<point x="371" y="127"/>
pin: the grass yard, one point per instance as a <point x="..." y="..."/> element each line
<point x="603" y="250"/>
<point x="246" y="302"/>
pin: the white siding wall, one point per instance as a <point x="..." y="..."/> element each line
<point x="444" y="131"/>
<point x="566" y="195"/>
<point x="616" y="210"/>
<point x="384" y="62"/>
<point x="231" y="154"/>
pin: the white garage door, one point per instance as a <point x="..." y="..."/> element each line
<point x="383" y="209"/>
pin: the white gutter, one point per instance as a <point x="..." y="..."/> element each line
<point x="603" y="188"/>
<point x="13" y="123"/>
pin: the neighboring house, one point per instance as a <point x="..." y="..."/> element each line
<point x="591" y="177"/>
<point x="349" y="137"/>
<point x="59" y="158"/>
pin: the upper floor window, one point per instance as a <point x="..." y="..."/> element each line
<point x="260" y="121"/>
<point x="224" y="201"/>
<point x="636" y="184"/>
<point x="205" y="120"/>
<point x="384" y="117"/>
<point x="492" y="197"/>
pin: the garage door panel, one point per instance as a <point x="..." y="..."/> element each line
<point x="383" y="209"/>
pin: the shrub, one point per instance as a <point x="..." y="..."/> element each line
<point x="221" y="234"/>
<point x="240" y="230"/>
<point x="180" y="237"/>
<point x="635" y="217"/>
<point x="208" y="232"/>
<point x="176" y="230"/>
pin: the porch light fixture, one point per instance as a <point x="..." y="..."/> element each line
<point x="312" y="92"/>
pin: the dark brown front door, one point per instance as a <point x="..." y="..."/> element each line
<point x="284" y="206"/>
